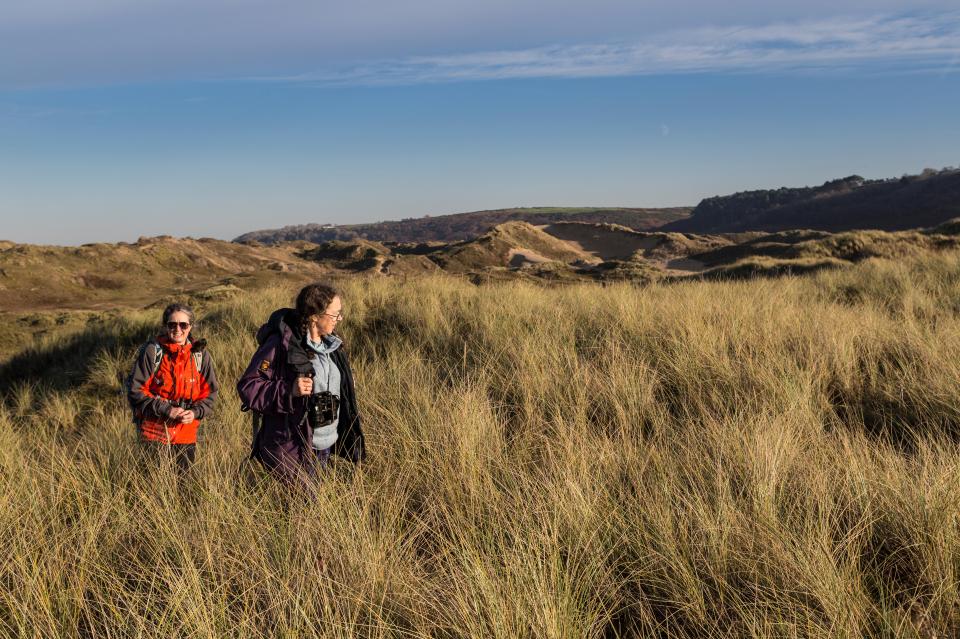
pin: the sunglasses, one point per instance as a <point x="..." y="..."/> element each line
<point x="172" y="326"/>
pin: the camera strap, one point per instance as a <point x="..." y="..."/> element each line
<point x="329" y="364"/>
<point x="329" y="372"/>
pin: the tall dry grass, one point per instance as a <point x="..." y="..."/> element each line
<point x="774" y="458"/>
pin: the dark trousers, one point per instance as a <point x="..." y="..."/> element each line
<point x="294" y="465"/>
<point x="182" y="456"/>
<point x="321" y="458"/>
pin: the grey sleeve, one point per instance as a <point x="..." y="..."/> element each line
<point x="141" y="401"/>
<point x="204" y="407"/>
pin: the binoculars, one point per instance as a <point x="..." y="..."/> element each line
<point x="322" y="409"/>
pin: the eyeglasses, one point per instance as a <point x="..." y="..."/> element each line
<point x="337" y="317"/>
<point x="172" y="326"/>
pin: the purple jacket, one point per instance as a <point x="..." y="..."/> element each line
<point x="266" y="387"/>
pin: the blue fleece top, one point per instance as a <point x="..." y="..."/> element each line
<point x="326" y="377"/>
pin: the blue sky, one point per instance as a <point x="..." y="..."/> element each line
<point x="214" y="118"/>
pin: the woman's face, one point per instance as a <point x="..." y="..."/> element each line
<point x="324" y="323"/>
<point x="178" y="327"/>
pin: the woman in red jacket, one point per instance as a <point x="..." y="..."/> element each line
<point x="172" y="387"/>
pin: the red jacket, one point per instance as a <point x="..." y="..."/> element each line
<point x="176" y="381"/>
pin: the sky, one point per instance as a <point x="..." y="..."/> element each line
<point x="212" y="118"/>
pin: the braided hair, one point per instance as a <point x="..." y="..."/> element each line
<point x="313" y="299"/>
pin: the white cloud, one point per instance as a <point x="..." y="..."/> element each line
<point x="914" y="42"/>
<point x="86" y="42"/>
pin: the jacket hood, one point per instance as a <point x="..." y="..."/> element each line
<point x="282" y="321"/>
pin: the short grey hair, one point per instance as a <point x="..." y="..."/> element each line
<point x="177" y="308"/>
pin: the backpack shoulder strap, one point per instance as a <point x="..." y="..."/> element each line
<point x="157" y="358"/>
<point x="157" y="355"/>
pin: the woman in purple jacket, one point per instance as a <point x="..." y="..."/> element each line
<point x="300" y="386"/>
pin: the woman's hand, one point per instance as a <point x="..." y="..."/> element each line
<point x="174" y="413"/>
<point x="304" y="387"/>
<point x="187" y="416"/>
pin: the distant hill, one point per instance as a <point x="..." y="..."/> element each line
<point x="98" y="276"/>
<point x="849" y="203"/>
<point x="465" y="226"/>
<point x="103" y="277"/>
<point x="577" y="251"/>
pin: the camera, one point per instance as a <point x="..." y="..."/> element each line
<point x="322" y="409"/>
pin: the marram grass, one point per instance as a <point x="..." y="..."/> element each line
<point x="775" y="458"/>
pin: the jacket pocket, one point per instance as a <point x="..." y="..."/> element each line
<point x="273" y="431"/>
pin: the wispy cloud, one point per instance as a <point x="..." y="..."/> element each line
<point x="913" y="42"/>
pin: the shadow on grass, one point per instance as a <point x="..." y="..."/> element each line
<point x="67" y="363"/>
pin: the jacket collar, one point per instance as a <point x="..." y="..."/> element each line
<point x="174" y="348"/>
<point x="327" y="344"/>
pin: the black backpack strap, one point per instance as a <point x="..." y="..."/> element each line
<point x="256" y="426"/>
<point x="256" y="429"/>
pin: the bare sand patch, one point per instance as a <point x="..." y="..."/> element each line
<point x="605" y="241"/>
<point x="520" y="256"/>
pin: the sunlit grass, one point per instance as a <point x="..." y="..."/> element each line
<point x="775" y="458"/>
